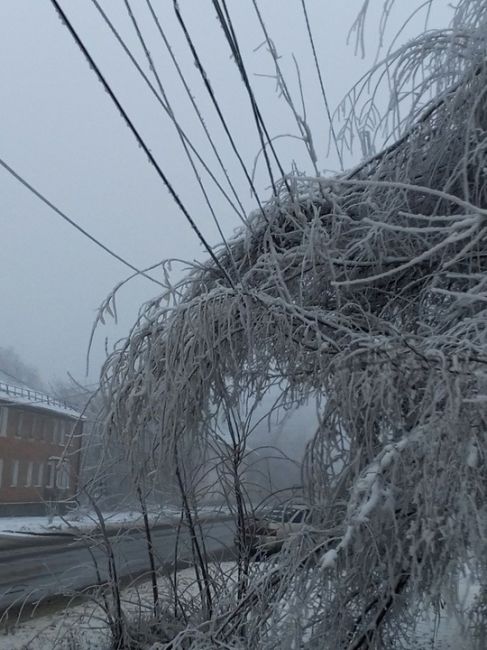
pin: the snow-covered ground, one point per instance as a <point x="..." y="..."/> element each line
<point x="86" y="624"/>
<point x="78" y="521"/>
<point x="445" y="634"/>
<point x="85" y="627"/>
<point x="82" y="521"/>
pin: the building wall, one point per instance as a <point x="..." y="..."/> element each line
<point x="39" y="456"/>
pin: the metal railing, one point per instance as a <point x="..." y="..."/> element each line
<point x="33" y="396"/>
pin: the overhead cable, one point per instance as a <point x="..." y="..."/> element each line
<point x="140" y="140"/>
<point x="73" y="223"/>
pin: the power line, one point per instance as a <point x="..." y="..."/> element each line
<point x="164" y="96"/>
<point x="123" y="45"/>
<point x="209" y="89"/>
<point x="194" y="104"/>
<point x="238" y="61"/>
<point x="230" y="35"/>
<point x="140" y="140"/>
<point x="64" y="216"/>
<point x="300" y="121"/>
<point x="322" y="85"/>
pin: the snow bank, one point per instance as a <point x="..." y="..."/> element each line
<point x="85" y="522"/>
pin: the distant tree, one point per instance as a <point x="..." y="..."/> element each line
<point x="81" y="397"/>
<point x="18" y="370"/>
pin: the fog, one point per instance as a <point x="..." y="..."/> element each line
<point x="61" y="132"/>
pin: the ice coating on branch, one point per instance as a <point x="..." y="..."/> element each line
<point x="367" y="290"/>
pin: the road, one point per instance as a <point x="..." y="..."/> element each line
<point x="29" y="574"/>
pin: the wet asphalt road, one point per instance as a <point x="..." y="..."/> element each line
<point x="68" y="566"/>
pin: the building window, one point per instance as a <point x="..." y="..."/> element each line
<point x="62" y="477"/>
<point x="15" y="473"/>
<point x="51" y="473"/>
<point x="49" y="430"/>
<point x="40" y="475"/>
<point x="38" y="427"/>
<point x="3" y="420"/>
<point x="62" y="431"/>
<point x="28" y="478"/>
<point x="55" y="431"/>
<point x="20" y="423"/>
<point x="27" y="426"/>
<point x="13" y="421"/>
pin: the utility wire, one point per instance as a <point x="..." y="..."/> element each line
<point x="141" y="141"/>
<point x="168" y="104"/>
<point x="64" y="216"/>
<point x="238" y="61"/>
<point x="194" y="104"/>
<point x="209" y="89"/>
<point x="134" y="62"/>
<point x="230" y="35"/>
<point x="282" y="84"/>
<point x="322" y="85"/>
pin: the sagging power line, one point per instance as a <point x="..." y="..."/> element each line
<point x="79" y="42"/>
<point x="73" y="223"/>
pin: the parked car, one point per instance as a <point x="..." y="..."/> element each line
<point x="266" y="532"/>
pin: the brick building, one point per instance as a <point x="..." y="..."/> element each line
<point x="40" y="443"/>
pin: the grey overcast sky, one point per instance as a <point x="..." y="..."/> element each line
<point x="60" y="131"/>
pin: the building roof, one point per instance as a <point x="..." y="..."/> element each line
<point x="16" y="393"/>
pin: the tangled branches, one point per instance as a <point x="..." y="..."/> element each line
<point x="369" y="290"/>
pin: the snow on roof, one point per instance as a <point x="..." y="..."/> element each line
<point x="20" y="394"/>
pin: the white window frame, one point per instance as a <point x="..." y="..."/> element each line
<point x="51" y="472"/>
<point x="62" y="477"/>
<point x="38" y="429"/>
<point x="62" y="432"/>
<point x="49" y="433"/>
<point x="28" y="477"/>
<point x="32" y="430"/>
<point x="3" y="420"/>
<point x="67" y="475"/>
<point x="40" y="475"/>
<point x="15" y="474"/>
<point x="28" y="433"/>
